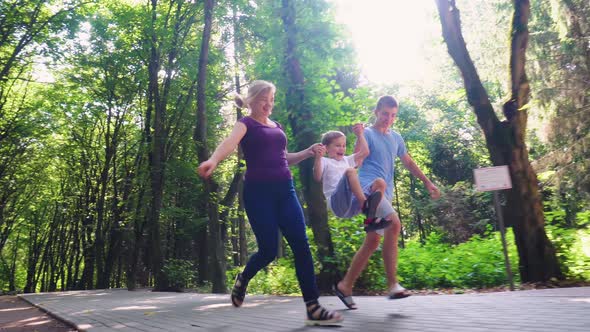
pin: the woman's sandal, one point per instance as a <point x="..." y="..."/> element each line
<point x="324" y="317"/>
<point x="375" y="224"/>
<point x="238" y="293"/>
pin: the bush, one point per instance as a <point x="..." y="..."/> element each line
<point x="572" y="246"/>
<point x="278" y="278"/>
<point x="460" y="213"/>
<point x="476" y="263"/>
<point x="179" y="273"/>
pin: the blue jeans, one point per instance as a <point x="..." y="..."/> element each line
<point x="271" y="206"/>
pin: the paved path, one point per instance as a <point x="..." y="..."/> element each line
<point x="17" y="315"/>
<point x="563" y="309"/>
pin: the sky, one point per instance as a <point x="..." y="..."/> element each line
<point x="389" y="37"/>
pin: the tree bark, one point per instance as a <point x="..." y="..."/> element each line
<point x="239" y="245"/>
<point x="99" y="236"/>
<point x="299" y="117"/>
<point x="217" y="245"/>
<point x="506" y="140"/>
<point x="156" y="156"/>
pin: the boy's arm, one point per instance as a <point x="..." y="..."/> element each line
<point x="318" y="169"/>
<point x="410" y="164"/>
<point x="361" y="147"/>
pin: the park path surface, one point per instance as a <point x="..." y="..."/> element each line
<point x="17" y="315"/>
<point x="559" y="309"/>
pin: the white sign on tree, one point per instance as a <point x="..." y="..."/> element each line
<point x="492" y="178"/>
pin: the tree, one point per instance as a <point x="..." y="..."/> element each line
<point x="506" y="139"/>
<point x="561" y="85"/>
<point x="300" y="113"/>
<point x="215" y="240"/>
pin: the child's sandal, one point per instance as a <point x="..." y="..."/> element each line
<point x="238" y="293"/>
<point x="371" y="204"/>
<point x="325" y="317"/>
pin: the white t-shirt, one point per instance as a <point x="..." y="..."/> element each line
<point x="333" y="170"/>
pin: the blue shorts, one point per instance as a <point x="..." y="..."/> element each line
<point x="344" y="203"/>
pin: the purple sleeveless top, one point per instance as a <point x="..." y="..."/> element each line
<point x="265" y="151"/>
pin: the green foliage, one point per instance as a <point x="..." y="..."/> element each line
<point x="278" y="278"/>
<point x="54" y="135"/>
<point x="559" y="70"/>
<point x="460" y="213"/>
<point x="476" y="263"/>
<point x="179" y="273"/>
<point x="572" y="245"/>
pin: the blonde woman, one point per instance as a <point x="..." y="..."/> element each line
<point x="269" y="197"/>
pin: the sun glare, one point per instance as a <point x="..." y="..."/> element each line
<point x="389" y="37"/>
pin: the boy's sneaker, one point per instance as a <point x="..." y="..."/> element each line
<point x="371" y="204"/>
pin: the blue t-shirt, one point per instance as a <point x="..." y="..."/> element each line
<point x="381" y="161"/>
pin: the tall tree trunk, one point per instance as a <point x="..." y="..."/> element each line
<point x="242" y="240"/>
<point x="399" y="213"/>
<point x="506" y="140"/>
<point x="239" y="246"/>
<point x="34" y="251"/>
<point x="416" y="212"/>
<point x="74" y="252"/>
<point x="88" y="218"/>
<point x="156" y="157"/>
<point x="216" y="243"/>
<point x="299" y="117"/>
<point x="136" y="225"/>
<point x="99" y="242"/>
<point x="12" y="267"/>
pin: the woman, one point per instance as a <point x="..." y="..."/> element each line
<point x="269" y="196"/>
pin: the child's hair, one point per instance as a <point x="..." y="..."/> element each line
<point x="255" y="88"/>
<point x="386" y="101"/>
<point x="328" y="137"/>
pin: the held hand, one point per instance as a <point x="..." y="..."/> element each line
<point x="433" y="190"/>
<point x="313" y="149"/>
<point x="206" y="168"/>
<point x="358" y="129"/>
<point x="320" y="151"/>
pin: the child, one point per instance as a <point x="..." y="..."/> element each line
<point x="341" y="186"/>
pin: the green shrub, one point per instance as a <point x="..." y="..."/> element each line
<point x="572" y="246"/>
<point x="476" y="263"/>
<point x="179" y="273"/>
<point x="278" y="278"/>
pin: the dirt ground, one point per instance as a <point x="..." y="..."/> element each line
<point x="17" y="315"/>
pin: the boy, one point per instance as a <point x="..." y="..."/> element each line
<point x="344" y="195"/>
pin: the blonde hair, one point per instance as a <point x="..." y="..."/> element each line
<point x="330" y="136"/>
<point x="255" y="88"/>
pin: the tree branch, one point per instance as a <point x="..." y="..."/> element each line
<point x="476" y="94"/>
